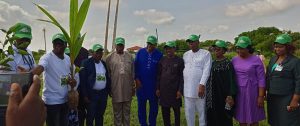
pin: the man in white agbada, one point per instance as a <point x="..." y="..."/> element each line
<point x="196" y="72"/>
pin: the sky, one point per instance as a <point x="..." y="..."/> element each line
<point x="174" y="19"/>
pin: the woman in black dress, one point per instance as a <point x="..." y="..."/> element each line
<point x="220" y="89"/>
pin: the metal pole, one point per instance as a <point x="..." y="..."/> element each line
<point x="106" y="29"/>
<point x="115" y="25"/>
<point x="44" y="30"/>
<point x="156" y="34"/>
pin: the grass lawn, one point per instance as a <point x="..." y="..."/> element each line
<point x="109" y="121"/>
<point x="134" y="116"/>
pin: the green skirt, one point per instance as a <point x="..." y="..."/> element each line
<point x="277" y="111"/>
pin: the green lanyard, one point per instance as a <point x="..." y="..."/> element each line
<point x="274" y="66"/>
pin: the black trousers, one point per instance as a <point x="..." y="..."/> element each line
<point x="57" y="115"/>
<point x="81" y="111"/>
<point x="96" y="108"/>
<point x="2" y="115"/>
<point x="166" y="115"/>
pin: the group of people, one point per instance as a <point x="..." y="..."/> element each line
<point x="218" y="90"/>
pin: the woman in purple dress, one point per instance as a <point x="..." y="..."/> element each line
<point x="250" y="77"/>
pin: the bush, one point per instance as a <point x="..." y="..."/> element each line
<point x="230" y="55"/>
<point x="297" y="53"/>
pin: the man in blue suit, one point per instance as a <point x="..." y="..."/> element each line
<point x="146" y="63"/>
<point x="95" y="86"/>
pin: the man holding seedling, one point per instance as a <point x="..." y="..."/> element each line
<point x="56" y="67"/>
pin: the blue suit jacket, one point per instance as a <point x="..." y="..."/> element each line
<point x="88" y="77"/>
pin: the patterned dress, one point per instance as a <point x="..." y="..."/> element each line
<point x="220" y="85"/>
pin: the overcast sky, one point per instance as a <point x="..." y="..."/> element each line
<point x="174" y="19"/>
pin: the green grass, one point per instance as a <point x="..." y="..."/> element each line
<point x="109" y="120"/>
<point x="108" y="117"/>
<point x="134" y="115"/>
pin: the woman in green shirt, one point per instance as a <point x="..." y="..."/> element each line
<point x="283" y="84"/>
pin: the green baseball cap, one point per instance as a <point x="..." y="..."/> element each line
<point x="59" y="36"/>
<point x="152" y="40"/>
<point x="193" y="38"/>
<point x="221" y="44"/>
<point x="243" y="42"/>
<point x="22" y="31"/>
<point x="120" y="40"/>
<point x="283" y="39"/>
<point x="67" y="50"/>
<point x="171" y="44"/>
<point x="96" y="47"/>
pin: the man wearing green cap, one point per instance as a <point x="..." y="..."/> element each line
<point x="283" y="84"/>
<point x="121" y="69"/>
<point x="146" y="63"/>
<point x="170" y="83"/>
<point x="21" y="62"/>
<point x="95" y="86"/>
<point x="56" y="67"/>
<point x="196" y="72"/>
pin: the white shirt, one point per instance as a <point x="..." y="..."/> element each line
<point x="196" y="71"/>
<point x="25" y="61"/>
<point x="100" y="82"/>
<point x="55" y="88"/>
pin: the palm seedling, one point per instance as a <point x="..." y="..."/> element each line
<point x="77" y="18"/>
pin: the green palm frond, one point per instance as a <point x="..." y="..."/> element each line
<point x="76" y="20"/>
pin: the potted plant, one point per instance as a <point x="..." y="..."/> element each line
<point x="77" y="18"/>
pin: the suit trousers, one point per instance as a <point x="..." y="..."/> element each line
<point x="166" y="115"/>
<point x="96" y="108"/>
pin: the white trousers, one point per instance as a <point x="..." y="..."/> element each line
<point x="191" y="105"/>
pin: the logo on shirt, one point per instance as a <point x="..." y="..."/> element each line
<point x="64" y="80"/>
<point x="100" y="77"/>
